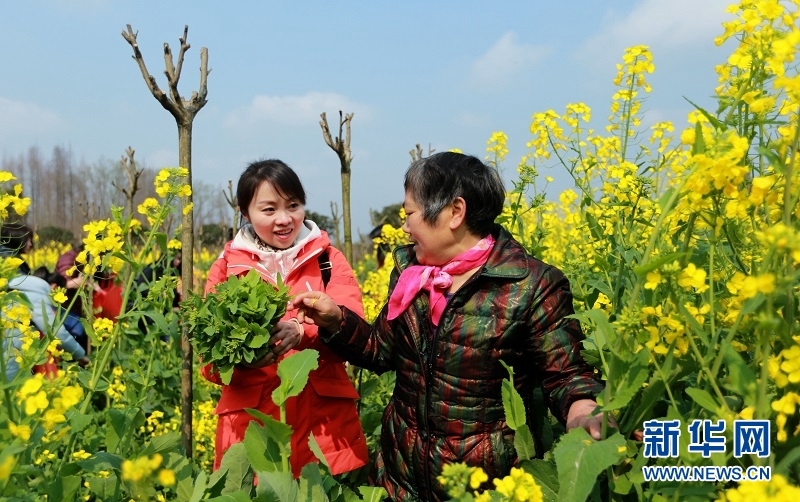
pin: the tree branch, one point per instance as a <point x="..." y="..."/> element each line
<point x="161" y="97"/>
<point x="184" y="47"/>
<point x="341" y="147"/>
<point x="183" y="110"/>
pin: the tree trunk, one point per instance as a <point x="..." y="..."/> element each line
<point x="348" y="232"/>
<point x="187" y="281"/>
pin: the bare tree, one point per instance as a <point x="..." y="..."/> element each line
<point x="416" y="153"/>
<point x="133" y="174"/>
<point x="230" y="198"/>
<point x="336" y="221"/>
<point x="341" y="146"/>
<point x="184" y="111"/>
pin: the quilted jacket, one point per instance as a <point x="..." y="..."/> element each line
<point x="447" y="405"/>
<point x="326" y="406"/>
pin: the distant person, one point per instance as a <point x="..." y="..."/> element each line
<point x="72" y="322"/>
<point x="106" y="290"/>
<point x="16" y="240"/>
<point x="68" y="268"/>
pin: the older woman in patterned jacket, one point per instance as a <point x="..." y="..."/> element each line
<point x="464" y="297"/>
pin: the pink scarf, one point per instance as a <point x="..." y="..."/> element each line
<point x="436" y="280"/>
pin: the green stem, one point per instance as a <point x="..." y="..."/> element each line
<point x="6" y="389"/>
<point x="787" y="220"/>
<point x="284" y="454"/>
<point x="712" y="380"/>
<point x="711" y="298"/>
<point x="656" y="229"/>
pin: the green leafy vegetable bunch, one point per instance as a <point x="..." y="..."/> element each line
<point x="232" y="324"/>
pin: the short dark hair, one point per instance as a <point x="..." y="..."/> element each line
<point x="14" y="237"/>
<point x="282" y="178"/>
<point x="436" y="181"/>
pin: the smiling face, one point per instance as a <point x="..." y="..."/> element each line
<point x="433" y="243"/>
<point x="276" y="219"/>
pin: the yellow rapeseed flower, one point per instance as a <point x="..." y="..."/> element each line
<point x="59" y="295"/>
<point x="36" y="402"/>
<point x="31" y="386"/>
<point x="653" y="279"/>
<point x="693" y="277"/>
<point x="52" y="418"/>
<point x="141" y="468"/>
<point x="6" y="467"/>
<point x="477" y="478"/>
<point x="519" y="486"/>
<point x="166" y="477"/>
<point x="776" y="489"/>
<point x="22" y="432"/>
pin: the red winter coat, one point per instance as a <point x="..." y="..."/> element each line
<point x="326" y="407"/>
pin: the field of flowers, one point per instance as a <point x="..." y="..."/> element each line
<point x="682" y="246"/>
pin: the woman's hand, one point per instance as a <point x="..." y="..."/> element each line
<point x="318" y="308"/>
<point x="580" y="415"/>
<point x="286" y="335"/>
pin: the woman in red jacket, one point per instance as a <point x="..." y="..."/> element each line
<point x="277" y="239"/>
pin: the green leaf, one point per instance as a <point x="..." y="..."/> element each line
<point x="232" y="497"/>
<point x="788" y="461"/>
<point x="64" y="488"/>
<point x="159" y="320"/>
<point x="225" y="374"/>
<point x="264" y="445"/>
<point x="664" y="200"/>
<point x="741" y="377"/>
<point x="101" y="461"/>
<point x="236" y="467"/>
<point x="581" y="459"/>
<point x="161" y="444"/>
<point x="699" y="145"/>
<point x="627" y="379"/>
<point x="650" y="396"/>
<point x="546" y="476"/>
<point x="200" y="486"/>
<point x="311" y="487"/>
<point x="523" y="443"/>
<point x="603" y="331"/>
<point x="594" y="227"/>
<point x="372" y="493"/>
<point x="120" y="422"/>
<point x="78" y="421"/>
<point x="703" y="399"/>
<point x="317" y="451"/>
<point x="714" y="120"/>
<point x="694" y="325"/>
<point x="277" y="486"/>
<point x="293" y="372"/>
<point x="512" y="402"/>
<point x="102" y="488"/>
<point x="651" y="265"/>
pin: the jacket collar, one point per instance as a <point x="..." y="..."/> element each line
<point x="507" y="260"/>
<point x="242" y="251"/>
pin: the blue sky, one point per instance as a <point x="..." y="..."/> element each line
<point x="445" y="74"/>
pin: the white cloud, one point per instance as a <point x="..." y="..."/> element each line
<point x="503" y="61"/>
<point x="296" y="110"/>
<point x="21" y="120"/>
<point x="675" y="25"/>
